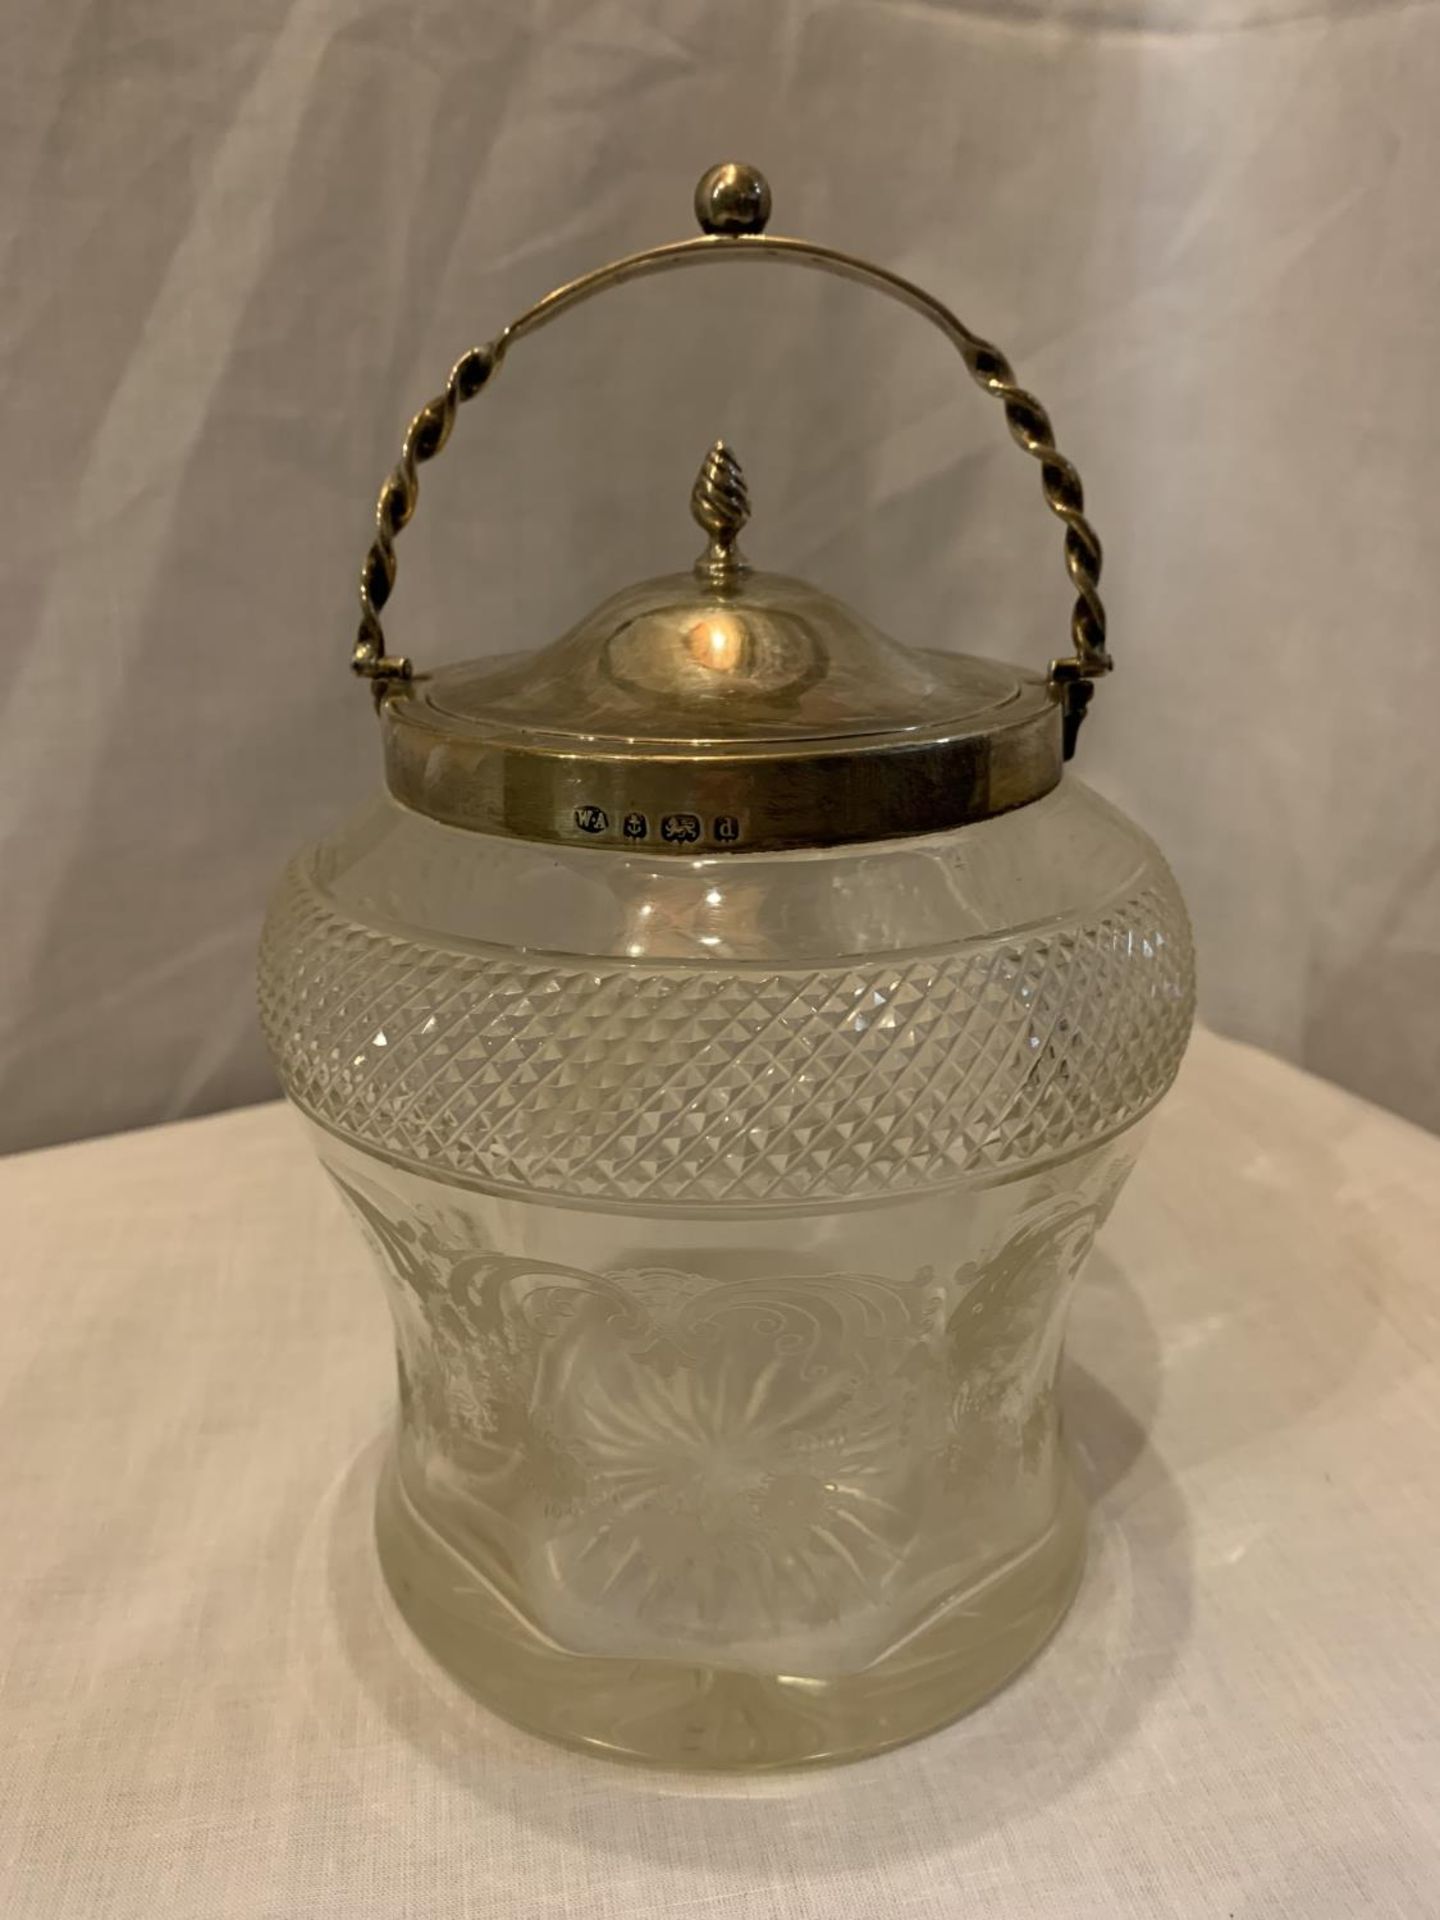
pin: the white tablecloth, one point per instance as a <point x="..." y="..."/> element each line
<point x="210" y="1708"/>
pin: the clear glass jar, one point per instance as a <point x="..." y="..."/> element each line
<point x="728" y="1209"/>
<point x="730" y="1032"/>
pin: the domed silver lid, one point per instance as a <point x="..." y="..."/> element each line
<point x="725" y="709"/>
<point x="722" y="709"/>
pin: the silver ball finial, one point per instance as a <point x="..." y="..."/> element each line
<point x="720" y="503"/>
<point x="732" y="199"/>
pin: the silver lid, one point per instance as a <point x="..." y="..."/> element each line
<point x="728" y="709"/>
<point x="721" y="710"/>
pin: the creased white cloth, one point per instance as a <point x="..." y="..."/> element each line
<point x="209" y="1708"/>
<point x="240" y="244"/>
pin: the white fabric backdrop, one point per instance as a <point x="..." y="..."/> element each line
<point x="239" y="243"/>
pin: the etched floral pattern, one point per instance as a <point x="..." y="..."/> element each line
<point x="758" y="1452"/>
<point x="702" y="1462"/>
<point x="1004" y="1339"/>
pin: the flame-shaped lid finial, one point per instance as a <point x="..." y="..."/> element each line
<point x="720" y="502"/>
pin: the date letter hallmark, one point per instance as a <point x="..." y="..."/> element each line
<point x="727" y="829"/>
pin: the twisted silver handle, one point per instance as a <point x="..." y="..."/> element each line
<point x="733" y="205"/>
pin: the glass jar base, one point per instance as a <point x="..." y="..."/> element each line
<point x="666" y="1714"/>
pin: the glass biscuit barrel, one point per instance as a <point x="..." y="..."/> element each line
<point x="729" y="1028"/>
